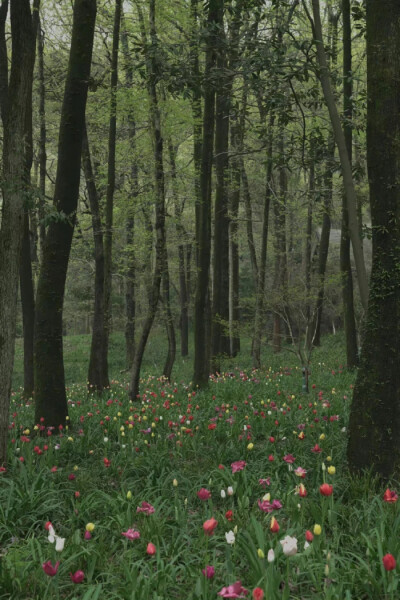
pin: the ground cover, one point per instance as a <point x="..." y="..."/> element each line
<point x="184" y="494"/>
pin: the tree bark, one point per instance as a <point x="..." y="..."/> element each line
<point x="374" y="426"/>
<point x="345" y="262"/>
<point x="108" y="232"/>
<point x="344" y="158"/>
<point x="203" y="227"/>
<point x="13" y="113"/>
<point x="130" y="301"/>
<point x="97" y="377"/>
<point x="42" y="141"/>
<point x="259" y="315"/>
<point x="51" y="401"/>
<point x="159" y="262"/>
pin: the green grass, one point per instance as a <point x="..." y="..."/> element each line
<point x="167" y="437"/>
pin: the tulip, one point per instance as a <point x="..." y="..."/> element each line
<point x="49" y="569"/>
<point x="309" y="536"/>
<point x="209" y="526"/>
<point x="274" y="525"/>
<point x="271" y="556"/>
<point x="204" y="494"/>
<point x="233" y="591"/>
<point x="325" y="489"/>
<point x="208" y="572"/>
<point x="230" y="537"/>
<point x="289" y="545"/>
<point x="131" y="534"/>
<point x="77" y="577"/>
<point x="390" y="496"/>
<point x="151" y="549"/>
<point x="389" y="562"/>
<point x="258" y="594"/>
<point x="317" y="529"/>
<point x="90" y="527"/>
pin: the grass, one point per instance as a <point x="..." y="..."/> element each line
<point x="163" y="450"/>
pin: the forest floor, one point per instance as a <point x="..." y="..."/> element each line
<point x="196" y="495"/>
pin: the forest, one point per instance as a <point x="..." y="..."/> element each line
<point x="199" y="299"/>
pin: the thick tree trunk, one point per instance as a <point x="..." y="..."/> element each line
<point x="374" y="427"/>
<point x="97" y="377"/>
<point x="203" y="227"/>
<point x="344" y="158"/>
<point x="28" y="307"/>
<point x="345" y="262"/>
<point x="259" y="316"/>
<point x="13" y="112"/>
<point x="108" y="232"/>
<point x="155" y="120"/>
<point x="51" y="401"/>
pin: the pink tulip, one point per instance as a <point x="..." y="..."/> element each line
<point x="49" y="569"/>
<point x="131" y="534"/>
<point x="233" y="591"/>
<point x="77" y="577"/>
<point x="208" y="572"/>
<point x="146" y="508"/>
<point x="151" y="549"/>
<point x="204" y="494"/>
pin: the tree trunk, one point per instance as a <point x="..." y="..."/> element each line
<point x="13" y="111"/>
<point x="130" y="301"/>
<point x="155" y="120"/>
<point x="181" y="236"/>
<point x="203" y="227"/>
<point x="234" y="312"/>
<point x="108" y="233"/>
<point x="169" y="322"/>
<point x="374" y="427"/>
<point x="259" y="316"/>
<point x="344" y="158"/>
<point x="51" y="401"/>
<point x="280" y="275"/>
<point x="42" y="141"/>
<point x="345" y="262"/>
<point x="196" y="111"/>
<point x="97" y="377"/>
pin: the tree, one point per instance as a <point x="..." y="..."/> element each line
<point x="13" y="98"/>
<point x="203" y="215"/>
<point x="374" y="427"/>
<point x="51" y="400"/>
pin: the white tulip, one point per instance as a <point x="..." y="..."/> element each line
<point x="230" y="537"/>
<point x="223" y="494"/>
<point x="60" y="544"/>
<point x="289" y="545"/>
<point x="230" y="491"/>
<point x="271" y="556"/>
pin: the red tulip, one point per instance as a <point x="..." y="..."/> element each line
<point x="204" y="494"/>
<point x="258" y="594"/>
<point x="274" y="526"/>
<point x="389" y="562"/>
<point x="326" y="489"/>
<point x="309" y="536"/>
<point x="390" y="496"/>
<point x="50" y="570"/>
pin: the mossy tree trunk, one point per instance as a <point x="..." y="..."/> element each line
<point x="13" y="111"/>
<point x="374" y="427"/>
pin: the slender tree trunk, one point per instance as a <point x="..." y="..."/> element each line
<point x="234" y="312"/>
<point x="169" y="322"/>
<point x="196" y="110"/>
<point x="160" y="199"/>
<point x="13" y="109"/>
<point x="42" y="140"/>
<point x="97" y="378"/>
<point x="344" y="158"/>
<point x="180" y="232"/>
<point x="203" y="227"/>
<point x="280" y="276"/>
<point x="130" y="300"/>
<point x="259" y="316"/>
<point x="220" y="273"/>
<point x="108" y="232"/>
<point x="51" y="401"/>
<point x="249" y="224"/>
<point x="345" y="262"/>
<point x="324" y="241"/>
<point x="307" y="261"/>
<point x="374" y="426"/>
